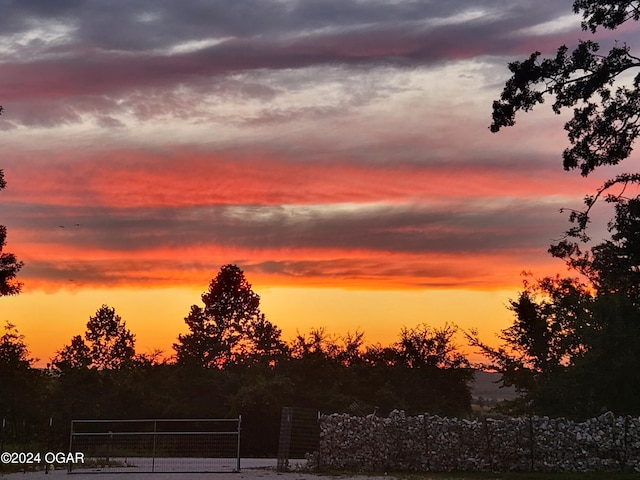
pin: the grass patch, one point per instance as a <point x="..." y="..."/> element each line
<point x="520" y="476"/>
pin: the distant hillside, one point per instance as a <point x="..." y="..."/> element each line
<point x="486" y="385"/>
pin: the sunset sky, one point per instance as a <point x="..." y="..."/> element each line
<point x="338" y="151"/>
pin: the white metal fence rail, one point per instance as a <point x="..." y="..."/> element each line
<point x="156" y="445"/>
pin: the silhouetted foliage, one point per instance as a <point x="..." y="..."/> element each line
<point x="21" y="398"/>
<point x="9" y="264"/>
<point x="547" y="335"/>
<point x="422" y="371"/>
<point x="606" y="108"/>
<point x="423" y="346"/>
<point x="75" y="355"/>
<point x="107" y="345"/>
<point x="230" y="328"/>
<point x="572" y="347"/>
<point x="605" y="119"/>
<point x="14" y="354"/>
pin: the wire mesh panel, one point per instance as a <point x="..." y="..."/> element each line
<point x="299" y="435"/>
<point x="174" y="445"/>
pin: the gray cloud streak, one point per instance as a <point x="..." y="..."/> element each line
<point x="450" y="229"/>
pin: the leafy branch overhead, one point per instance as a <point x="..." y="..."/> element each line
<point x="606" y="115"/>
<point x="608" y="14"/>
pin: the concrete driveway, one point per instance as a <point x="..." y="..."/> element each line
<point x="250" y="469"/>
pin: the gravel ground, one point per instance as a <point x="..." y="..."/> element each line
<point x="251" y="469"/>
<point x="263" y="473"/>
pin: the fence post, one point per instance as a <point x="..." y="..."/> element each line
<point x="427" y="445"/>
<point x="531" y="444"/>
<point x="318" y="465"/>
<point x="239" y="428"/>
<point x="153" y="453"/>
<point x="70" y="446"/>
<point x="488" y="450"/>
<point x="284" y="442"/>
<point x="624" y="444"/>
<point x="46" y="464"/>
<point x="4" y="422"/>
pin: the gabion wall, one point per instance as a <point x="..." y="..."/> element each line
<point x="432" y="443"/>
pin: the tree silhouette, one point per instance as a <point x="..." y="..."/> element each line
<point x="570" y="335"/>
<point x="14" y="354"/>
<point x="318" y="344"/>
<point x="20" y="385"/>
<point x="9" y="265"/>
<point x="229" y="328"/>
<point x="107" y="345"/>
<point x="425" y="346"/>
<point x="75" y="355"/>
<point x="553" y="317"/>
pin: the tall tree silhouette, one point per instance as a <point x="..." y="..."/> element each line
<point x="229" y="328"/>
<point x="571" y="335"/>
<point x="572" y="349"/>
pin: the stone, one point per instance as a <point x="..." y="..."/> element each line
<point x="432" y="443"/>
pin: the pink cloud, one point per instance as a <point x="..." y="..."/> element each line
<point x="128" y="178"/>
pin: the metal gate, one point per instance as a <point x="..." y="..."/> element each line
<point x="299" y="435"/>
<point x="156" y="445"/>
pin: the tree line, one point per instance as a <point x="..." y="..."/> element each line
<point x="232" y="362"/>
